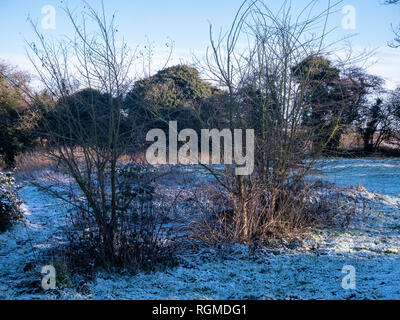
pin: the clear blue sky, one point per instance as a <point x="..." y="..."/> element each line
<point x="187" y="21"/>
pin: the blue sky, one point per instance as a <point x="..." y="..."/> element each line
<point x="186" y="22"/>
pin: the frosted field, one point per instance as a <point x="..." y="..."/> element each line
<point x="381" y="176"/>
<point x="310" y="270"/>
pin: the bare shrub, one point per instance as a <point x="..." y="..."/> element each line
<point x="87" y="135"/>
<point x="140" y="237"/>
<point x="263" y="93"/>
<point x="299" y="209"/>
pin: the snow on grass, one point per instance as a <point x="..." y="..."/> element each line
<point x="297" y="276"/>
<point x="20" y="245"/>
<point x="313" y="270"/>
<point x="379" y="175"/>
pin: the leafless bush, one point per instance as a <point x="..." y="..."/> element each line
<point x="263" y="93"/>
<point x="87" y="135"/>
<point x="298" y="210"/>
<point x="140" y="237"/>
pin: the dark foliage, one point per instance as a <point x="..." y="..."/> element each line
<point x="173" y="94"/>
<point x="10" y="202"/>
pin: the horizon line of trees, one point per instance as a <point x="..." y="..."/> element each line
<point x="338" y="100"/>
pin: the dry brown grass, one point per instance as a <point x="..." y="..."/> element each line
<point x="31" y="162"/>
<point x="300" y="211"/>
<point x="351" y="140"/>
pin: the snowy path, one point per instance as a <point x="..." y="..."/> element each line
<point x="20" y="246"/>
<point x="371" y="245"/>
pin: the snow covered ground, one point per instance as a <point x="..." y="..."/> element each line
<point x="310" y="270"/>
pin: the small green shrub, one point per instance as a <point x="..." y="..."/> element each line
<point x="10" y="202"/>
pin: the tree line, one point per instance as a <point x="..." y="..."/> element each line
<point x="338" y="99"/>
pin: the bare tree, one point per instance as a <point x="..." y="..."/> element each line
<point x="255" y="63"/>
<point x="88" y="74"/>
<point x="396" y="30"/>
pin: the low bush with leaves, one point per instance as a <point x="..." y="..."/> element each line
<point x="10" y="202"/>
